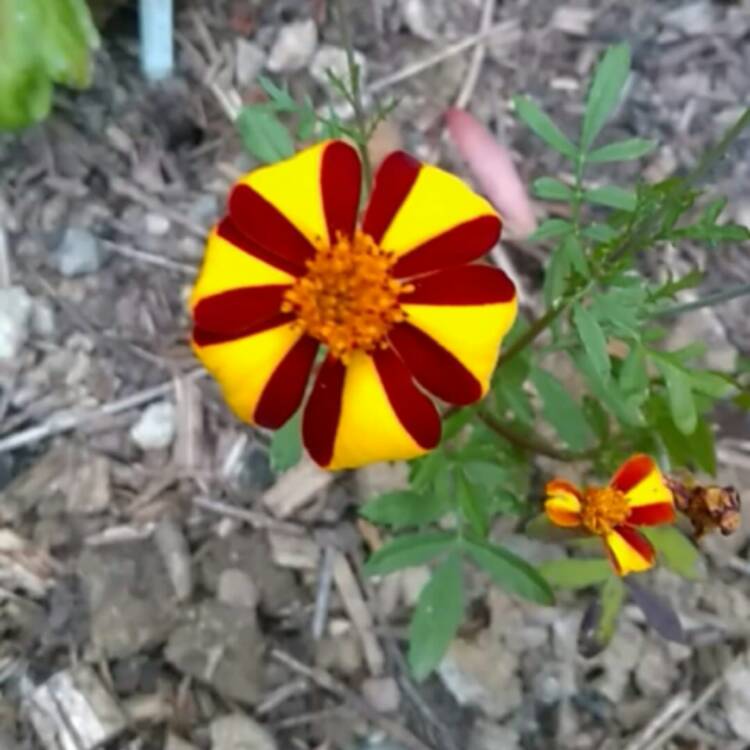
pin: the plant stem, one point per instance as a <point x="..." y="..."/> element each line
<point x="356" y="91"/>
<point x="536" y="329"/>
<point x="534" y="444"/>
<point x="709" y="300"/>
<point x="714" y="154"/>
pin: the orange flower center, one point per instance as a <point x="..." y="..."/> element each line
<point x="348" y="299"/>
<point x="603" y="508"/>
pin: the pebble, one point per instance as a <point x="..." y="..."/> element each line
<point x="249" y="59"/>
<point x="130" y="597"/>
<point x="78" y="253"/>
<point x="43" y="321"/>
<point x="382" y="694"/>
<point x="483" y="673"/>
<point x="155" y="429"/>
<point x="173" y="547"/>
<point x="334" y="60"/>
<point x="177" y="743"/>
<point x="737" y="697"/>
<point x="15" y="314"/>
<point x="237" y="588"/>
<point x="239" y="732"/>
<point x="486" y="735"/>
<point x="222" y="646"/>
<point x="157" y="225"/>
<point x="294" y="47"/>
<point x="691" y="18"/>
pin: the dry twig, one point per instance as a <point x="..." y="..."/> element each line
<point x="477" y="57"/>
<point x="359" y="705"/>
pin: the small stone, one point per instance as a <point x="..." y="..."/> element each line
<point x="74" y="710"/>
<point x="482" y="673"/>
<point x="655" y="673"/>
<point x="177" y="743"/>
<point x="43" y="319"/>
<point x="737" y="697"/>
<point x="341" y="654"/>
<point x="157" y="225"/>
<point x="249" y="59"/>
<point x="419" y="18"/>
<point x="382" y="694"/>
<point x="334" y="60"/>
<point x="222" y="646"/>
<point x="486" y="735"/>
<point x="238" y="589"/>
<point x="15" y="313"/>
<point x="619" y="660"/>
<point x="294" y="47"/>
<point x="239" y="732"/>
<point x="79" y="253"/>
<point x="130" y="597"/>
<point x="90" y="489"/>
<point x="205" y="210"/>
<point x="155" y="429"/>
<point x="691" y="18"/>
<point x="175" y="552"/>
<point x="277" y="587"/>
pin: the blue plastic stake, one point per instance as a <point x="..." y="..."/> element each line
<point x="157" y="41"/>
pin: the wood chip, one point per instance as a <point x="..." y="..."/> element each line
<point x="293" y="551"/>
<point x="358" y="612"/>
<point x="296" y="488"/>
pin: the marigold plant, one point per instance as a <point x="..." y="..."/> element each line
<point x="374" y="291"/>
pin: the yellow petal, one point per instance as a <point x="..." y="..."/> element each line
<point x="243" y="367"/>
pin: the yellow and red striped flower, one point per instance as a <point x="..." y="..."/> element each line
<point x="396" y="300"/>
<point x="636" y="496"/>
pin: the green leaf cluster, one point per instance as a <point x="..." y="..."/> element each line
<point x="41" y="43"/>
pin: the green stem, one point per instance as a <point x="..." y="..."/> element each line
<point x="536" y="329"/>
<point x="356" y="98"/>
<point x="536" y="445"/>
<point x="708" y="301"/>
<point x="713" y="155"/>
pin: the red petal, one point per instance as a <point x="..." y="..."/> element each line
<point x="632" y="472"/>
<point x="321" y="418"/>
<point x="465" y="285"/>
<point x="414" y="410"/>
<point x="434" y="367"/>
<point x="341" y="184"/>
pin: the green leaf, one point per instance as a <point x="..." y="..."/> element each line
<point x="404" y="508"/>
<point x="600" y="232"/>
<point x="281" y="98"/>
<point x="573" y="250"/>
<point x="593" y="339"/>
<point x="611" y="196"/>
<point x="472" y="509"/>
<point x="286" y="445"/>
<point x="712" y="384"/>
<point x="609" y="79"/>
<point x="680" y="394"/>
<point x="562" y="411"/>
<point x="510" y="572"/>
<point x="633" y="374"/>
<point x="611" y="599"/>
<point x="572" y="573"/>
<point x="597" y="417"/>
<point x="408" y="551"/>
<point x="703" y="447"/>
<point x="551" y="228"/>
<point x="541" y="124"/>
<point x="556" y="275"/>
<point x="632" y="148"/>
<point x="263" y="134"/>
<point x="677" y="552"/>
<point x="548" y="188"/>
<point x="438" y="614"/>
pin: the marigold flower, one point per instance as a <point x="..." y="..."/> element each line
<point x="394" y="300"/>
<point x="637" y="495"/>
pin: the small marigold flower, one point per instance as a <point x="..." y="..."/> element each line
<point x="637" y="495"/>
<point x="395" y="300"/>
